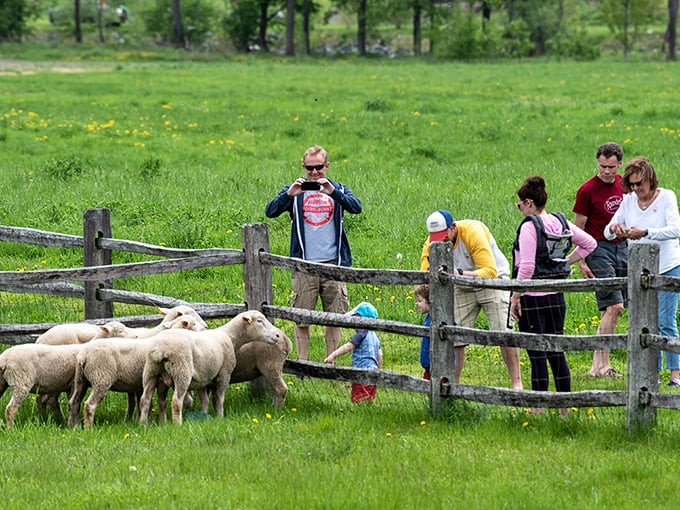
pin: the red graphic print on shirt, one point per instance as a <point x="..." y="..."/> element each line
<point x="317" y="209"/>
<point x="612" y="204"/>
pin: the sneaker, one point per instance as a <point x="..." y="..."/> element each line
<point x="674" y="382"/>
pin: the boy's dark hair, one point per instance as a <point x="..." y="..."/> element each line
<point x="423" y="291"/>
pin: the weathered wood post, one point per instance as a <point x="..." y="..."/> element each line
<point x="441" y="314"/>
<point x="96" y="224"/>
<point x="257" y="278"/>
<point x="643" y="306"/>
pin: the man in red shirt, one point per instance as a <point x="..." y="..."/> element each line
<point x="596" y="202"/>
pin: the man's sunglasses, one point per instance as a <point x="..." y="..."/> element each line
<point x="311" y="168"/>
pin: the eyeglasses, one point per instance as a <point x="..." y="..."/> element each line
<point x="520" y="204"/>
<point x="632" y="185"/>
<point x="311" y="168"/>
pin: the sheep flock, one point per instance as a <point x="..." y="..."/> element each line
<point x="180" y="353"/>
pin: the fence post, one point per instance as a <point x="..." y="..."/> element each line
<point x="258" y="281"/>
<point x="643" y="305"/>
<point x="441" y="314"/>
<point x="256" y="277"/>
<point x="96" y="223"/>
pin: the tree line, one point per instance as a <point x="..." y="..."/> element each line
<point x="447" y="28"/>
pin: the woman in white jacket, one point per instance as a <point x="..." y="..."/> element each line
<point x="649" y="214"/>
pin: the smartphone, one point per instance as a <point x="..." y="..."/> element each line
<point x="310" y="185"/>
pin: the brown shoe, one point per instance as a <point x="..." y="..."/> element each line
<point x="610" y="372"/>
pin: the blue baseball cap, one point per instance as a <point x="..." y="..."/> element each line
<point x="364" y="309"/>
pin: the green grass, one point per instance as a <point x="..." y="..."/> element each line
<point x="186" y="153"/>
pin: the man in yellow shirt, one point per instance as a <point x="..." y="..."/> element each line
<point x="475" y="253"/>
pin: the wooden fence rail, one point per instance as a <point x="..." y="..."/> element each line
<point x="642" y="341"/>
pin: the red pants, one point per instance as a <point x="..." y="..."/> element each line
<point x="363" y="393"/>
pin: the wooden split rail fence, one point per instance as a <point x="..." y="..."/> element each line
<point x="642" y="342"/>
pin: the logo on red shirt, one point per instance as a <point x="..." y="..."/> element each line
<point x="612" y="204"/>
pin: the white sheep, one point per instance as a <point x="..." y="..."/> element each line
<point x="258" y="359"/>
<point x="38" y="368"/>
<point x="113" y="364"/>
<point x="195" y="360"/>
<point x="82" y="332"/>
<point x="170" y="314"/>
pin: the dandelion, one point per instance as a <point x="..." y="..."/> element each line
<point x="388" y="434"/>
<point x="294" y="409"/>
<point x="268" y="416"/>
<point x="230" y="231"/>
<point x="525" y="424"/>
<point x="126" y="436"/>
<point x="423" y="423"/>
<point x="255" y="420"/>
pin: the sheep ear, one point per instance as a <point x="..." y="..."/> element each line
<point x="105" y="329"/>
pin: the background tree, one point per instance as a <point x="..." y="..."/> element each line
<point x="671" y="30"/>
<point x="76" y="19"/>
<point x="241" y="24"/>
<point x="188" y="24"/>
<point x="290" y="27"/>
<point x="626" y="18"/>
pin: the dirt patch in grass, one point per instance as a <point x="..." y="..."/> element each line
<point x="10" y="67"/>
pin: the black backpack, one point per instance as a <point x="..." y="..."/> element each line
<point x="551" y="249"/>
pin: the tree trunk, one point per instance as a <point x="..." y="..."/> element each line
<point x="486" y="14"/>
<point x="626" y="17"/>
<point x="306" y="14"/>
<point x="361" y="28"/>
<point x="417" y="28"/>
<point x="178" y="28"/>
<point x="672" y="27"/>
<point x="264" y="21"/>
<point x="100" y="22"/>
<point x="290" y="28"/>
<point x="76" y="15"/>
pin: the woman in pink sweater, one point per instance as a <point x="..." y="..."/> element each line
<point x="536" y="255"/>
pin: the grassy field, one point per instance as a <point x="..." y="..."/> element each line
<point x="186" y="153"/>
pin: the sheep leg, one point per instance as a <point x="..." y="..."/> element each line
<point x="18" y="397"/>
<point x="79" y="389"/>
<point x="44" y="400"/>
<point x="279" y="387"/>
<point x="180" y="391"/>
<point x="132" y="404"/>
<point x="3" y="386"/>
<point x="204" y="396"/>
<point x="145" y="401"/>
<point x="96" y="396"/>
<point x="218" y="396"/>
<point x="162" y="400"/>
